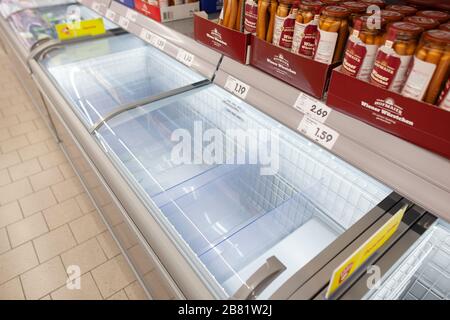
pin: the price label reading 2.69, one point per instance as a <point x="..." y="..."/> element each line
<point x="312" y="107"/>
<point x="318" y="132"/>
<point x="237" y="87"/>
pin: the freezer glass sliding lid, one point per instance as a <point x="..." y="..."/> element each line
<point x="39" y="23"/>
<point x="252" y="191"/>
<point x="8" y="7"/>
<point x="100" y="76"/>
<point x="423" y="273"/>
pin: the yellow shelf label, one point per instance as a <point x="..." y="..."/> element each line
<point x="365" y="251"/>
<point x="77" y="29"/>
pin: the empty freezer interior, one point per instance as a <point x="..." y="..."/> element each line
<point x="8" y="7"/>
<point x="423" y="273"/>
<point x="259" y="190"/>
<point x="99" y="76"/>
<point x="39" y="23"/>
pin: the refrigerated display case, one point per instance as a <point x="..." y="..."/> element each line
<point x="8" y="7"/>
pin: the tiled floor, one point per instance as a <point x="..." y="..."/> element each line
<point x="47" y="221"/>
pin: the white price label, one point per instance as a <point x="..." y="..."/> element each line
<point x="146" y="35"/>
<point x="318" y="132"/>
<point x="131" y="15"/>
<point x="96" y="6"/>
<point x="158" y="42"/>
<point x="185" y="57"/>
<point x="124" y="22"/>
<point x="312" y="107"/>
<point x="237" y="87"/>
<point x="111" y="15"/>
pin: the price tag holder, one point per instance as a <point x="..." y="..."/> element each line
<point x="96" y="6"/>
<point x="318" y="132"/>
<point x="185" y="57"/>
<point x="124" y="22"/>
<point x="237" y="87"/>
<point x="131" y="15"/>
<point x="111" y="15"/>
<point x="313" y="108"/>
<point x="158" y="42"/>
<point x="146" y="35"/>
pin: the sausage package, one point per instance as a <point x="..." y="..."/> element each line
<point x="284" y="29"/>
<point x="250" y="16"/>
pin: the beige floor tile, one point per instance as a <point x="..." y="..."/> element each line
<point x="113" y="276"/>
<point x="67" y="170"/>
<point x="47" y="297"/>
<point x="22" y="128"/>
<point x="7" y="122"/>
<point x="4" y="134"/>
<point x="8" y="160"/>
<point x="14" y="110"/>
<point x="25" y="169"/>
<point x="87" y="291"/>
<point x="108" y="244"/>
<point x="53" y="243"/>
<point x="67" y="189"/>
<point x="27" y="229"/>
<point x="10" y="213"/>
<point x="39" y="135"/>
<point x="88" y="226"/>
<point x="120" y="295"/>
<point x="62" y="213"/>
<point x="17" y="261"/>
<point x="33" y="151"/>
<point x="28" y="115"/>
<point x="12" y="290"/>
<point x="52" y="159"/>
<point x="4" y="241"/>
<point x="46" y="178"/>
<point x="4" y="177"/>
<point x="135" y="292"/>
<point x="37" y="201"/>
<point x="44" y="279"/>
<point x="87" y="256"/>
<point x="52" y="145"/>
<point x="85" y="203"/>
<point x="14" y="144"/>
<point x="14" y="191"/>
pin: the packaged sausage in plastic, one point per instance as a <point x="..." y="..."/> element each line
<point x="306" y="28"/>
<point x="393" y="58"/>
<point x="266" y="19"/>
<point x="333" y="34"/>
<point x="250" y="16"/>
<point x="285" y="23"/>
<point x="440" y="16"/>
<point x="362" y="47"/>
<point x="430" y="67"/>
<point x="403" y="9"/>
<point x="425" y="23"/>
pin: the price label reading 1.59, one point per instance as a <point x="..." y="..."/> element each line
<point x="318" y="132"/>
<point x="312" y="107"/>
<point x="111" y="15"/>
<point x="158" y="42"/>
<point x="237" y="87"/>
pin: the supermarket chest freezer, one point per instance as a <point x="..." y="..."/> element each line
<point x="202" y="229"/>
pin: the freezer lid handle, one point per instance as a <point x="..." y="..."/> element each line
<point x="259" y="280"/>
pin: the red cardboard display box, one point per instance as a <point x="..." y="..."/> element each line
<point x="420" y="123"/>
<point x="171" y="13"/>
<point x="232" y="43"/>
<point x="302" y="73"/>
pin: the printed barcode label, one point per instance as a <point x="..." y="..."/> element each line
<point x="131" y="15"/>
<point x="96" y="6"/>
<point x="124" y="22"/>
<point x="168" y="15"/>
<point x="237" y="87"/>
<point x="313" y="108"/>
<point x="318" y="132"/>
<point x="185" y="57"/>
<point x="158" y="42"/>
<point x="146" y="35"/>
<point x="111" y="15"/>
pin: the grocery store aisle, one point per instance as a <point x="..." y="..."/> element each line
<point x="47" y="221"/>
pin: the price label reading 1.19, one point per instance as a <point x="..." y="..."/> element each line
<point x="185" y="57"/>
<point x="124" y="23"/>
<point x="237" y="87"/>
<point x="111" y="15"/>
<point x="312" y="107"/>
<point x="318" y="132"/>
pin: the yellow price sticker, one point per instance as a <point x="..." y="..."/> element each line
<point x="365" y="251"/>
<point x="66" y="31"/>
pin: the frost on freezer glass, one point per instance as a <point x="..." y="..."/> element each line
<point x="125" y="71"/>
<point x="8" y="7"/>
<point x="35" y="24"/>
<point x="424" y="271"/>
<point x="230" y="215"/>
